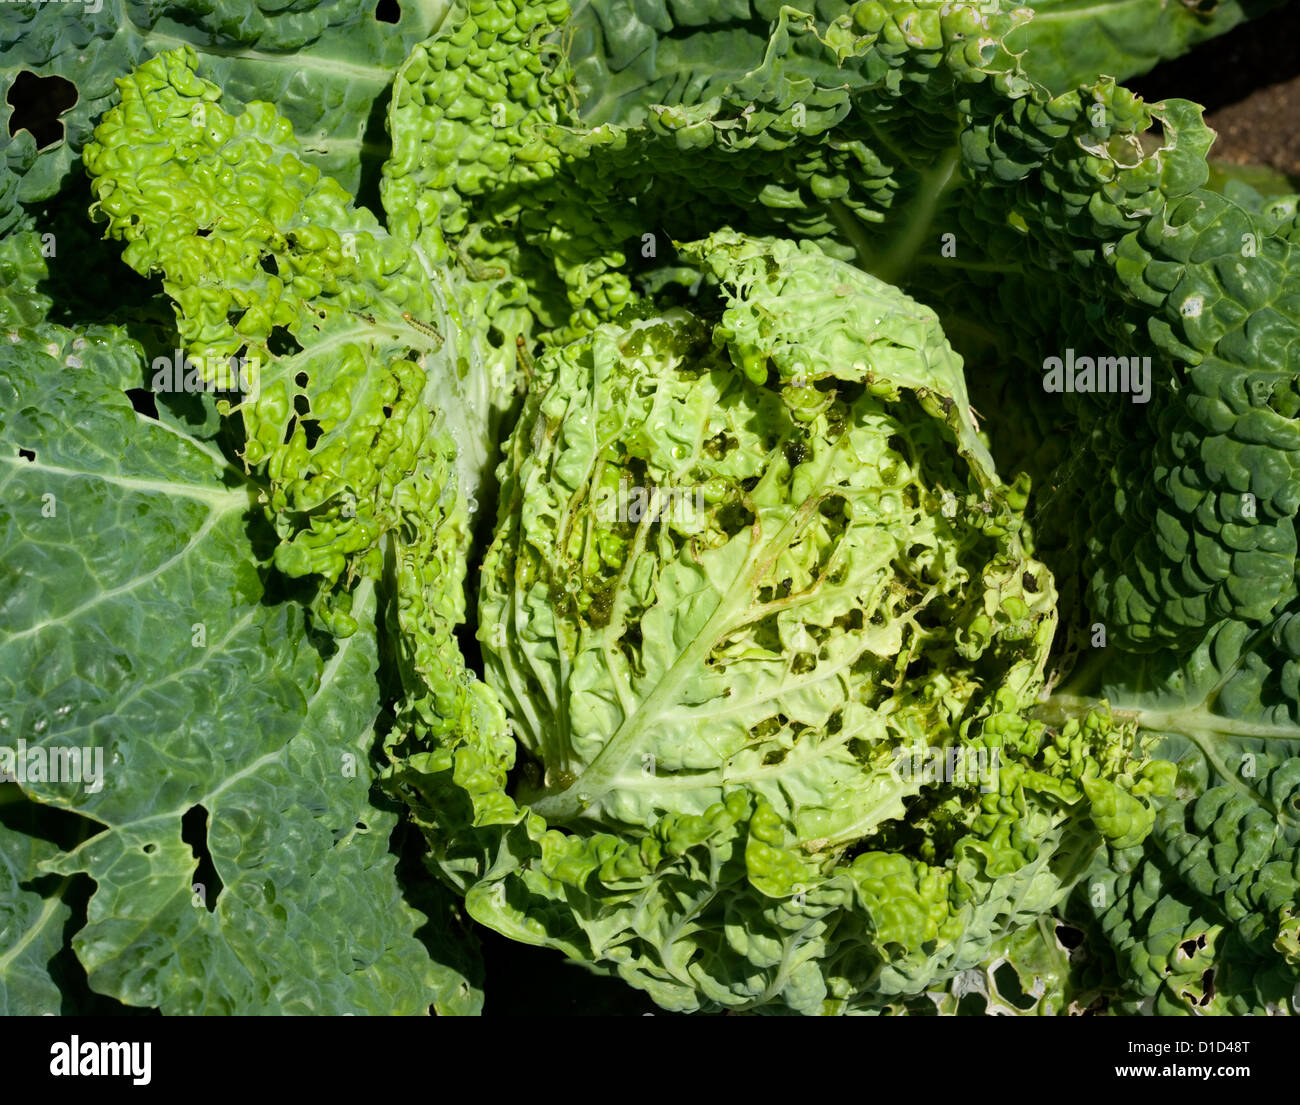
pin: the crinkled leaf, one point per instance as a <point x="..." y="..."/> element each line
<point x="327" y="66"/>
<point x="33" y="912"/>
<point x="1202" y="917"/>
<point x="1069" y="42"/>
<point x="138" y="623"/>
<point x="712" y="691"/>
<point x="360" y="374"/>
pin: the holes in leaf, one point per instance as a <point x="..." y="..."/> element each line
<point x="495" y="338"/>
<point x="1207" y="984"/>
<point x="142" y="399"/>
<point x="1030" y="583"/>
<point x="631" y="638"/>
<point x="630" y="646"/>
<point x="734" y="517"/>
<point x="149" y="849"/>
<point x="860" y="750"/>
<point x="300" y="379"/>
<point x="767" y="636"/>
<point x="803" y="663"/>
<point x="388" y="11"/>
<point x="311" y="430"/>
<point x="847" y="391"/>
<point x="833" y="507"/>
<point x="204" y="232"/>
<point x="37" y="103"/>
<point x="233" y="318"/>
<point x="301" y="404"/>
<point x="602" y="606"/>
<point x="719" y="445"/>
<point x="281" y="343"/>
<point x="775" y="757"/>
<point x="1007" y="981"/>
<point x="27" y="455"/>
<point x="796" y="452"/>
<point x="270" y="265"/>
<point x="1069" y="936"/>
<point x="194" y="832"/>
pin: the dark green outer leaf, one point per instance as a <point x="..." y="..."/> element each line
<point x="1202" y="917"/>
<point x="327" y="69"/>
<point x="1073" y="42"/>
<point x="31" y="916"/>
<point x="136" y="622"/>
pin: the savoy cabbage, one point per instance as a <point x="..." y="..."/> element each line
<point x="643" y="481"/>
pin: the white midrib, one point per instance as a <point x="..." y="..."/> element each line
<point x="602" y="773"/>
<point x="1201" y="728"/>
<point x="220" y="499"/>
<point x="331" y="66"/>
<point x="52" y="904"/>
<point x="361" y="603"/>
<point x="47" y="913"/>
<point x="1187" y="721"/>
<point x="935" y="184"/>
<point x="1068" y="12"/>
<point x="136" y="581"/>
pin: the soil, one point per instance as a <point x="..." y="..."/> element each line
<point x="1249" y="82"/>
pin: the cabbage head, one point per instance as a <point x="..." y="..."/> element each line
<point x="766" y="626"/>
